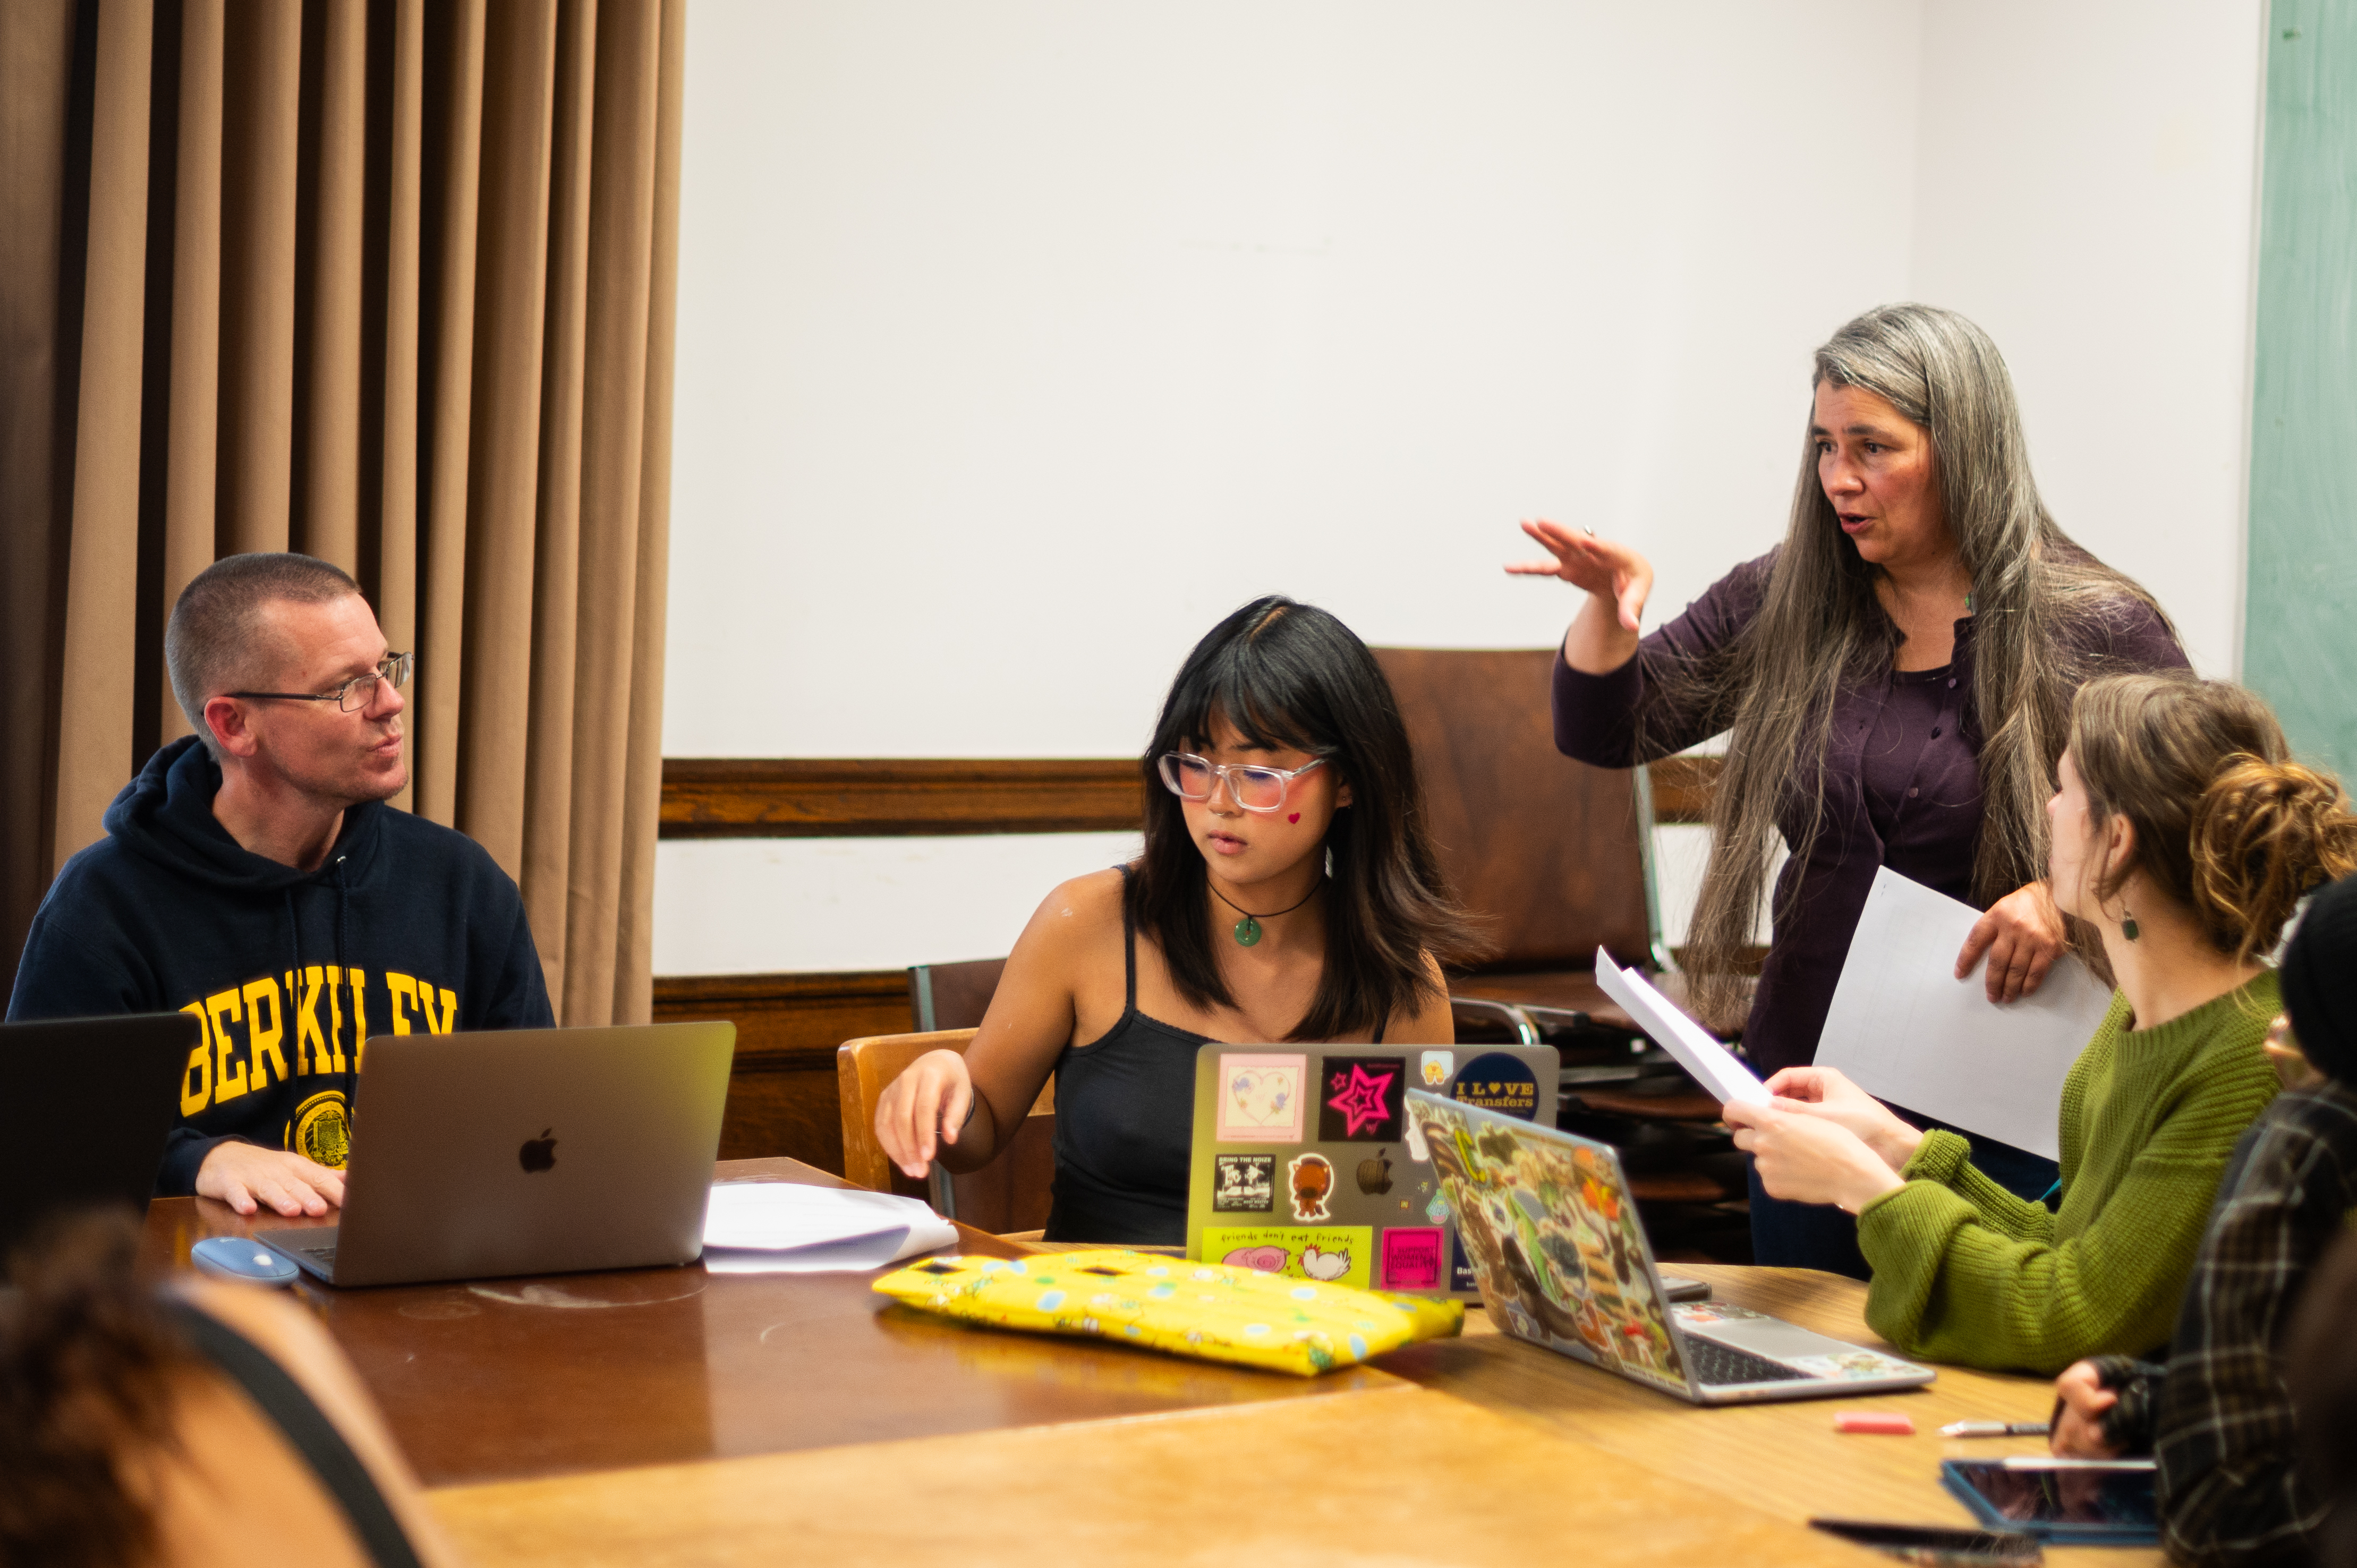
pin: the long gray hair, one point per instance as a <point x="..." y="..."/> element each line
<point x="1820" y="626"/>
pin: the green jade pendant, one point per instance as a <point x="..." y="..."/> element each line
<point x="1247" y="931"/>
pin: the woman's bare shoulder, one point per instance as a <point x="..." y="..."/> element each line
<point x="1077" y="914"/>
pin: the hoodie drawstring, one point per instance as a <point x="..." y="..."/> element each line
<point x="343" y="912"/>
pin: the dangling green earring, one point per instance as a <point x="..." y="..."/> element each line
<point x="2127" y="924"/>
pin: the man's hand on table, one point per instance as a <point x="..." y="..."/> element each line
<point x="245" y="1175"/>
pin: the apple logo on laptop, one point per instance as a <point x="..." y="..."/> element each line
<point x="538" y="1154"/>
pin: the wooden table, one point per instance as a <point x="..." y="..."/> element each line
<point x="502" y="1379"/>
<point x="664" y="1416"/>
<point x="1784" y="1459"/>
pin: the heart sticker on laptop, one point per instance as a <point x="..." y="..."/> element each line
<point x="1260" y="1098"/>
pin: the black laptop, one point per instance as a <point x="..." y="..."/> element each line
<point x="96" y="1098"/>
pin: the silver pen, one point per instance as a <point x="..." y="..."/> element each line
<point x="1994" y="1428"/>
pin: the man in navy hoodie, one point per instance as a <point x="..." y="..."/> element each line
<point x="251" y="875"/>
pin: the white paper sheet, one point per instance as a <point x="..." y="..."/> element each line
<point x="787" y="1227"/>
<point x="1906" y="1030"/>
<point x="1712" y="1064"/>
<point x="855" y="1256"/>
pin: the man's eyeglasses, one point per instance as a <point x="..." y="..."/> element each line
<point x="1262" y="790"/>
<point x="355" y="693"/>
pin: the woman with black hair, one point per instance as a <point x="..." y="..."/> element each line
<point x="1286" y="893"/>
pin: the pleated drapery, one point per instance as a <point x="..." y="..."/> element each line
<point x="389" y="282"/>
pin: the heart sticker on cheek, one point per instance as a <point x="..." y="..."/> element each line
<point x="1294" y="818"/>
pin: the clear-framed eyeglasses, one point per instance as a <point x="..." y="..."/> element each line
<point x="1261" y="789"/>
<point x="355" y="693"/>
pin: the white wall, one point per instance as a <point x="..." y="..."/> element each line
<point x="2086" y="182"/>
<point x="1018" y="343"/>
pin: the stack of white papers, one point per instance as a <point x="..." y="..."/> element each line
<point x="785" y="1227"/>
<point x="1906" y="1030"/>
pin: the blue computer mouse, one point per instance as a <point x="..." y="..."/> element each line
<point x="235" y="1258"/>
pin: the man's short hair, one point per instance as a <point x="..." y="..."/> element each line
<point x="215" y="642"/>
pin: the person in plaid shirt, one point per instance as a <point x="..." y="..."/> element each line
<point x="2218" y="1417"/>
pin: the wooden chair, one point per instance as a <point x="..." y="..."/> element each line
<point x="1557" y="858"/>
<point x="952" y="995"/>
<point x="1009" y="1195"/>
<point x="1555" y="855"/>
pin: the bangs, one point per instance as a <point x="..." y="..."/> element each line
<point x="1254" y="687"/>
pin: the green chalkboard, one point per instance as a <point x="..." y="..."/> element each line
<point x="2299" y="624"/>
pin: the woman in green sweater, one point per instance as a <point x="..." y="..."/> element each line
<point x="2185" y="836"/>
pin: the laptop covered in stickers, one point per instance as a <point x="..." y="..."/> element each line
<point x="1561" y="1260"/>
<point x="1302" y="1162"/>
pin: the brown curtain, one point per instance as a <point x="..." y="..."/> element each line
<point x="389" y="282"/>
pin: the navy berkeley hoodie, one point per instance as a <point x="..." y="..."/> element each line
<point x="407" y="929"/>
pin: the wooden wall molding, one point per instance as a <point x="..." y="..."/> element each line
<point x="845" y="797"/>
<point x="895" y="797"/>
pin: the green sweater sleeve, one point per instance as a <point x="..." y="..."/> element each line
<point x="1962" y="1272"/>
<point x="1946" y="1158"/>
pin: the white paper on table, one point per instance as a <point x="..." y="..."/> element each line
<point x="1713" y="1065"/>
<point x="787" y="1227"/>
<point x="1906" y="1030"/>
<point x="857" y="1255"/>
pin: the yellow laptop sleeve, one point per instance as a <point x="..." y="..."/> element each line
<point x="1211" y="1311"/>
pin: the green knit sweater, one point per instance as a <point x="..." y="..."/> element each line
<point x="1965" y="1272"/>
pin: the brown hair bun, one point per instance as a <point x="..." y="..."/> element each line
<point x="2265" y="835"/>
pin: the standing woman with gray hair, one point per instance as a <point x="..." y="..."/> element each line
<point x="1895" y="680"/>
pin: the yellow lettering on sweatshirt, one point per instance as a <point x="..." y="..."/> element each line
<point x="311" y="1053"/>
<point x="359" y="977"/>
<point x="197" y="1077"/>
<point x="226" y="1087"/>
<point x="262" y="1044"/>
<point x="445" y="1021"/>
<point x="336" y="1017"/>
<point x="400" y="985"/>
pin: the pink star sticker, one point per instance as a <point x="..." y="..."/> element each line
<point x="1361" y="1099"/>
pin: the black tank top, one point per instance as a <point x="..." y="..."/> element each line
<point x="1125" y="1123"/>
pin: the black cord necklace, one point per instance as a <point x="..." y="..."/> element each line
<point x="1247" y="930"/>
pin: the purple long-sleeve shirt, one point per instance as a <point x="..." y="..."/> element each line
<point x="1902" y="784"/>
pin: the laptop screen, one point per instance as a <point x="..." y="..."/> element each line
<point x="1553" y="1234"/>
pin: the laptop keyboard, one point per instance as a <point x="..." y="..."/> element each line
<point x="1712" y="1362"/>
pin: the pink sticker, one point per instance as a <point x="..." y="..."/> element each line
<point x="1267" y="1260"/>
<point x="1294" y="818"/>
<point x="1410" y="1257"/>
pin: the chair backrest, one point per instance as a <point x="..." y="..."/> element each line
<point x="862" y="1069"/>
<point x="952" y="995"/>
<point x="1550" y="851"/>
<point x="1011" y="1193"/>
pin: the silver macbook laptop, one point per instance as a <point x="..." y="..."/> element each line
<point x="1562" y="1261"/>
<point x="525" y="1152"/>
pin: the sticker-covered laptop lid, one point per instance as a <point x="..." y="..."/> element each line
<point x="1554" y="1239"/>
<point x="1304" y="1163"/>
